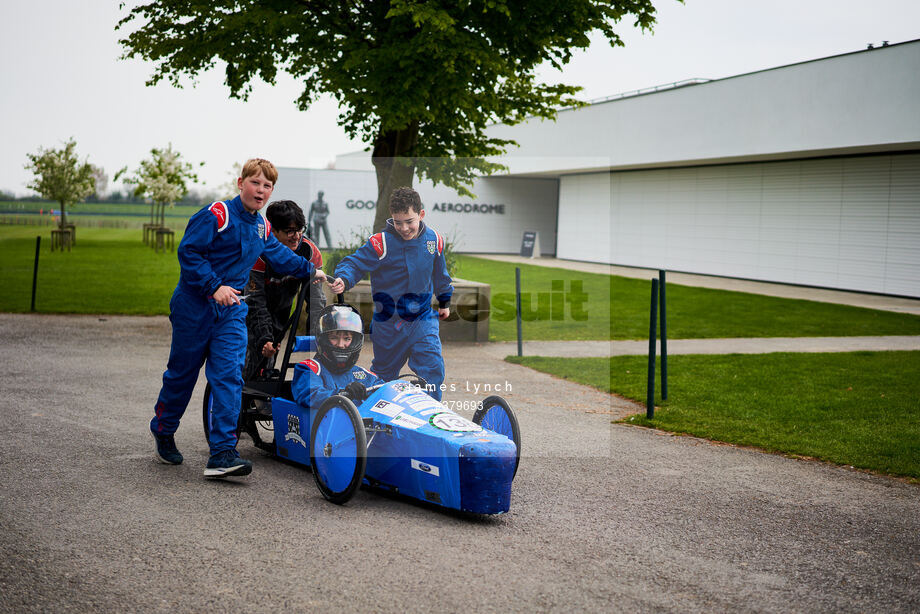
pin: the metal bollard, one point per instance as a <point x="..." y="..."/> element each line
<point x="517" y="292"/>
<point x="653" y="320"/>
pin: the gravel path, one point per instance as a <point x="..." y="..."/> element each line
<point x="603" y="517"/>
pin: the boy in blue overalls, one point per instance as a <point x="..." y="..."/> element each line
<point x="339" y="338"/>
<point x="220" y="245"/>
<point x="407" y="267"/>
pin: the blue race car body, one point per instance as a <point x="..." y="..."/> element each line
<point x="415" y="446"/>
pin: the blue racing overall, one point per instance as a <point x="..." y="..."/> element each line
<point x="405" y="275"/>
<point x="220" y="245"/>
<point x="313" y="383"/>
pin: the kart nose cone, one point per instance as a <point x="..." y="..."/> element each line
<point x="486" y="471"/>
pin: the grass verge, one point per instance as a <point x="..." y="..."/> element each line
<point x="852" y="408"/>
<point x="112" y="271"/>
<point x="618" y="308"/>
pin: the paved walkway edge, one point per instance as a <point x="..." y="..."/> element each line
<point x="762" y="345"/>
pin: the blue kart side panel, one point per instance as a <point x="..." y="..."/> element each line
<point x="292" y="430"/>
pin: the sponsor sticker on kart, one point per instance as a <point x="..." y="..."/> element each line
<point x="447" y="421"/>
<point x="386" y="408"/>
<point x="407" y="421"/>
<point x="425" y="467"/>
<point x="424" y="402"/>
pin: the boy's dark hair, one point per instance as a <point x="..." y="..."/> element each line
<point x="285" y="214"/>
<point x="403" y="199"/>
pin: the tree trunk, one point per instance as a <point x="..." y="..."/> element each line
<point x="394" y="166"/>
<point x="63" y="221"/>
<point x="153" y="216"/>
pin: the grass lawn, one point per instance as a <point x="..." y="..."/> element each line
<point x="618" y="308"/>
<point x="110" y="271"/>
<point x="860" y="408"/>
<point x="547" y="306"/>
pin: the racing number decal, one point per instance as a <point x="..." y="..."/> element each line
<point x="447" y="421"/>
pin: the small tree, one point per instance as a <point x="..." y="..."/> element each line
<point x="60" y="176"/>
<point x="101" y="183"/>
<point x="162" y="179"/>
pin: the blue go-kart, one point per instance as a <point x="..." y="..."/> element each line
<point x="399" y="439"/>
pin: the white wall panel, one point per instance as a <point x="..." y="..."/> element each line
<point x="585" y="230"/>
<point x="848" y="223"/>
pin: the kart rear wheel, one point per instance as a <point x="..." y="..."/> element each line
<point x="496" y="415"/>
<point x="206" y="413"/>
<point x="338" y="449"/>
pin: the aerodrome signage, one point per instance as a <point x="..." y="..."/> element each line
<point x="360" y="204"/>
<point x="498" y="209"/>
<point x="470" y="208"/>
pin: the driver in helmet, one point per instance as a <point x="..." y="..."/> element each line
<point x="333" y="370"/>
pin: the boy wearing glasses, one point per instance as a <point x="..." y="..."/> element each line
<point x="271" y="293"/>
<point x="407" y="267"/>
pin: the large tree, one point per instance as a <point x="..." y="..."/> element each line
<point x="419" y="80"/>
<point x="61" y="176"/>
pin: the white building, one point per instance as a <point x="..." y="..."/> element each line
<point x="804" y="174"/>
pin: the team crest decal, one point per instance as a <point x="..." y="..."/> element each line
<point x="402" y="386"/>
<point x="358" y="374"/>
<point x="431" y="246"/>
<point x="262" y="231"/>
<point x="294" y="430"/>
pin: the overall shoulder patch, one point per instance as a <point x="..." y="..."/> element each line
<point x="259" y="266"/>
<point x="312" y="365"/>
<point x="379" y="243"/>
<point x="220" y="211"/>
<point x="316" y="257"/>
<point x="268" y="227"/>
<point x="440" y="242"/>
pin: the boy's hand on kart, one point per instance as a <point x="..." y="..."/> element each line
<point x="355" y="391"/>
<point x="320" y="276"/>
<point x="443" y="313"/>
<point x="337" y="285"/>
<point x="269" y="349"/>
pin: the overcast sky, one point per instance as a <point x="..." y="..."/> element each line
<point x="61" y="78"/>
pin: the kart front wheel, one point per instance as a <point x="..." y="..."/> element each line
<point x="497" y="416"/>
<point x="338" y="449"/>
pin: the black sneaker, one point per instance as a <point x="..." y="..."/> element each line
<point x="227" y="463"/>
<point x="166" y="449"/>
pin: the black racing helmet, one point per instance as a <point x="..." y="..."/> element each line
<point x="333" y="318"/>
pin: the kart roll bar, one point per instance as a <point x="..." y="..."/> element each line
<point x="295" y="321"/>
